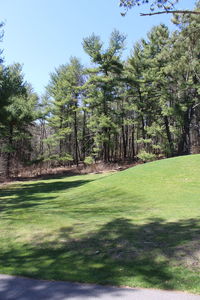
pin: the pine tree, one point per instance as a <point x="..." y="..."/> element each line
<point x="65" y="92"/>
<point x="18" y="112"/>
<point x="101" y="86"/>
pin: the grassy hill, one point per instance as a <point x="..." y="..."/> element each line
<point x="139" y="227"/>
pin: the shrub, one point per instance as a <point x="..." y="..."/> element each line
<point x="146" y="156"/>
<point x="89" y="160"/>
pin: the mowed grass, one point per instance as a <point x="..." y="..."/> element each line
<point x="139" y="227"/>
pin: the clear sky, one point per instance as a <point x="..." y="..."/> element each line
<point x="42" y="34"/>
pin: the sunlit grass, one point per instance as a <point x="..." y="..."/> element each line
<point x="139" y="227"/>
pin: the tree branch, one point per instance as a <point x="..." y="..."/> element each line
<point x="172" y="12"/>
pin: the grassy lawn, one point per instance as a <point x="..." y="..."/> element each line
<point x="139" y="227"/>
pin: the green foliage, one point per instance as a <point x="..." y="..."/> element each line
<point x="113" y="109"/>
<point x="156" y="147"/>
<point x="155" y="7"/>
<point x="64" y="91"/>
<point x="88" y="160"/>
<point x="35" y="161"/>
<point x="144" y="141"/>
<point x="59" y="159"/>
<point x="18" y="111"/>
<point x="54" y="157"/>
<point x="66" y="158"/>
<point x="154" y="4"/>
<point x="146" y="156"/>
<point x="102" y="87"/>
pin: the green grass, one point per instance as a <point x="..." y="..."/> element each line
<point x="139" y="227"/>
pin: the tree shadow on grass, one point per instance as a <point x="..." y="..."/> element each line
<point x="119" y="253"/>
<point x="13" y="198"/>
<point x="49" y="176"/>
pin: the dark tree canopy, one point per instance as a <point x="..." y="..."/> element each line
<point x="155" y="7"/>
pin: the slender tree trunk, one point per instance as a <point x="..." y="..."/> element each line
<point x="142" y="118"/>
<point x="41" y="151"/>
<point x="109" y="147"/>
<point x="116" y="147"/>
<point x="105" y="158"/>
<point x="60" y="142"/>
<point x="133" y="142"/>
<point x="143" y="128"/>
<point x="184" y="146"/>
<point x="105" y="130"/>
<point x="169" y="137"/>
<point x="83" y="136"/>
<point x="126" y="138"/>
<point x="105" y="146"/>
<point x="10" y="141"/>
<point x="76" y="137"/>
<point x="124" y="142"/>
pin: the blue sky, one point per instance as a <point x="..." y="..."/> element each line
<point x="42" y="34"/>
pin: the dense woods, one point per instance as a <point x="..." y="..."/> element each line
<point x="147" y="106"/>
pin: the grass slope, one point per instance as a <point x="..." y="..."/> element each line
<point x="139" y="227"/>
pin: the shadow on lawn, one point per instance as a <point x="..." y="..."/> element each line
<point x="119" y="253"/>
<point x="27" y="196"/>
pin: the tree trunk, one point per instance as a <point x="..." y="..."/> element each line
<point x="133" y="142"/>
<point x="83" y="136"/>
<point x="169" y="137"/>
<point x="143" y="128"/>
<point x="184" y="145"/>
<point x="10" y="140"/>
<point x="76" y="137"/>
<point x="124" y="142"/>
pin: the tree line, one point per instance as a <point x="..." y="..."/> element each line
<point x="147" y="106"/>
